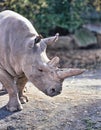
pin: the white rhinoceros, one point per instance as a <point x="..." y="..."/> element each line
<point x="23" y="58"/>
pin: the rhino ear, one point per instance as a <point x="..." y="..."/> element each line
<point x="47" y="41"/>
<point x="36" y="40"/>
<point x="54" y="62"/>
<point x="51" y="40"/>
<point x="64" y="73"/>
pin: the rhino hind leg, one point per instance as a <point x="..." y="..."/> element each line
<point x="21" y="85"/>
<point x="14" y="103"/>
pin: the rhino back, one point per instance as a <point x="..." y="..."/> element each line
<point x="15" y="31"/>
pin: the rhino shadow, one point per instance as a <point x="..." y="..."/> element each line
<point x="3" y="92"/>
<point x="4" y="113"/>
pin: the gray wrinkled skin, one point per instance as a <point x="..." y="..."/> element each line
<point x="22" y="59"/>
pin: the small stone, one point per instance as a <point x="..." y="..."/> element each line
<point x="10" y="128"/>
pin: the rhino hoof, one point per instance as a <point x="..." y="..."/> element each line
<point x="23" y="99"/>
<point x="14" y="108"/>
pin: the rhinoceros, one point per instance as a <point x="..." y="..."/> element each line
<point x="23" y="58"/>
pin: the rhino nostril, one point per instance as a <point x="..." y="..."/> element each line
<point x="52" y="90"/>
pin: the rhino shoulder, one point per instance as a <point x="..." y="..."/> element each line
<point x="17" y="21"/>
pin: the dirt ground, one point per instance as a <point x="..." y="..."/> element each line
<point x="78" y="107"/>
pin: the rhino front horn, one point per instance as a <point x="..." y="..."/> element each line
<point x="64" y="73"/>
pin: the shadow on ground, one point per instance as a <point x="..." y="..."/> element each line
<point x="2" y="92"/>
<point x="4" y="113"/>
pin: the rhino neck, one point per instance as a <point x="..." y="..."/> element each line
<point x="15" y="64"/>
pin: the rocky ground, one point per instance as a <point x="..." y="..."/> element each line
<point x="77" y="108"/>
<point x="89" y="59"/>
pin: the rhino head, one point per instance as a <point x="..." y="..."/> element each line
<point x="41" y="71"/>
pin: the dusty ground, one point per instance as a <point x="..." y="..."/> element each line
<point x="77" y="108"/>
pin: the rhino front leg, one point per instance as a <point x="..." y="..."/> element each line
<point x="8" y="81"/>
<point x="21" y="85"/>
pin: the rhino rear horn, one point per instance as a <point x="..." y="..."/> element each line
<point x="54" y="62"/>
<point x="64" y="73"/>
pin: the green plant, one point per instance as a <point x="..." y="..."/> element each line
<point x="48" y="14"/>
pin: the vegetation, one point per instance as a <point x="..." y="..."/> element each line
<point x="49" y="14"/>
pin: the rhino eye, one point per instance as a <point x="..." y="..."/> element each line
<point x="40" y="70"/>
